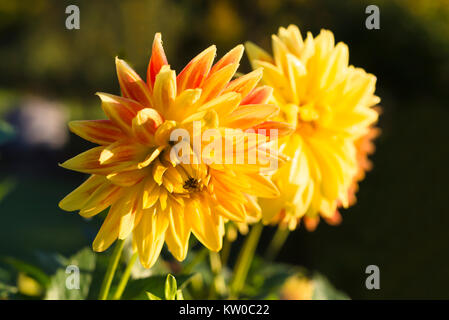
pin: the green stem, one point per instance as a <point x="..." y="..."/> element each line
<point x="217" y="285"/>
<point x="276" y="243"/>
<point x="125" y="277"/>
<point x="225" y="251"/>
<point x="112" y="266"/>
<point x="244" y="260"/>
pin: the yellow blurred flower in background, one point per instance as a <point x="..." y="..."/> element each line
<point x="330" y="103"/>
<point x="153" y="197"/>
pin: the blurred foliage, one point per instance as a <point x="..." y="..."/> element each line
<point x="400" y="221"/>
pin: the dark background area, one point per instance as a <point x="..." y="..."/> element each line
<point x="48" y="75"/>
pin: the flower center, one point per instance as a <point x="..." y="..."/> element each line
<point x="191" y="184"/>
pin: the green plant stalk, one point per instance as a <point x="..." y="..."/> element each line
<point x="218" y="285"/>
<point x="225" y="251"/>
<point x="244" y="260"/>
<point x="125" y="277"/>
<point x="112" y="267"/>
<point x="277" y="242"/>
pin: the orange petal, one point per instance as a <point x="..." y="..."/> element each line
<point x="101" y="132"/>
<point x="246" y="83"/>
<point x="157" y="60"/>
<point x="249" y="115"/>
<point x="217" y="81"/>
<point x="132" y="86"/>
<point x="232" y="57"/>
<point x="258" y="95"/>
<point x="193" y="75"/>
<point x="120" y="110"/>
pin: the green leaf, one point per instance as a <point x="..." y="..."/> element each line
<point x="170" y="287"/>
<point x="29" y="269"/>
<point x="137" y="288"/>
<point x="152" y="296"/>
<point x="73" y="281"/>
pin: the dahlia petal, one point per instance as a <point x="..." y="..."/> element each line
<point x="185" y="104"/>
<point x="101" y="132"/>
<point x="120" y="151"/>
<point x="232" y="211"/>
<point x="282" y="128"/>
<point x="145" y="124"/>
<point x="262" y="186"/>
<point x="109" y="230"/>
<point x="254" y="52"/>
<point x="129" y="212"/>
<point x="157" y="60"/>
<point x="89" y="162"/>
<point x="217" y="81"/>
<point x="178" y="232"/>
<point x="78" y="197"/>
<point x="247" y="116"/>
<point x="127" y="178"/>
<point x="193" y="75"/>
<point x="259" y="95"/>
<point x="101" y="199"/>
<point x="274" y="77"/>
<point x="131" y="85"/>
<point x="245" y="83"/>
<point x="158" y="170"/>
<point x="119" y="110"/>
<point x="152" y="155"/>
<point x="232" y="57"/>
<point x="150" y="193"/>
<point x="224" y="104"/>
<point x="164" y="92"/>
<point x="206" y="226"/>
<point x="149" y="236"/>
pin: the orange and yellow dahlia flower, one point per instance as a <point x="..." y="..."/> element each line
<point x="151" y="195"/>
<point x="331" y="105"/>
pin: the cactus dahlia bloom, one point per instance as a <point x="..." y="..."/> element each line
<point x="330" y="103"/>
<point x="153" y="196"/>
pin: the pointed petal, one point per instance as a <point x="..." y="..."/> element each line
<point x="232" y="57"/>
<point x="78" y="197"/>
<point x="217" y="81"/>
<point x="101" y="199"/>
<point x="101" y="132"/>
<point x="164" y="92"/>
<point x="149" y="236"/>
<point x="193" y="75"/>
<point x="246" y="83"/>
<point x="132" y="86"/>
<point x="178" y="232"/>
<point x="157" y="60"/>
<point x="88" y="162"/>
<point x="259" y="95"/>
<point x="249" y="115"/>
<point x="120" y="110"/>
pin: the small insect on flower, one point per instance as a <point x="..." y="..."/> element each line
<point x="152" y="195"/>
<point x="331" y="105"/>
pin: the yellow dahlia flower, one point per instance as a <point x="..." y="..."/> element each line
<point x="330" y="103"/>
<point x="152" y="195"/>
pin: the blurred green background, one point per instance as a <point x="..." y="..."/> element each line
<point x="48" y="75"/>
